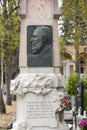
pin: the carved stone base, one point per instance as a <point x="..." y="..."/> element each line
<point x="19" y="126"/>
<point x="37" y="100"/>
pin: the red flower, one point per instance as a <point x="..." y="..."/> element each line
<point x="64" y="102"/>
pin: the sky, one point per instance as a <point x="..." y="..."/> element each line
<point x="59" y="31"/>
<point x="60" y="2"/>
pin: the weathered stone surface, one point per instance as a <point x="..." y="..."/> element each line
<point x="38" y="12"/>
<point x="56" y="11"/>
<point x="38" y="97"/>
<point x="39" y="83"/>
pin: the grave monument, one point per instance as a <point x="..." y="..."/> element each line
<point x="39" y="84"/>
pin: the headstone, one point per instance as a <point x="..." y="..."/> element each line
<point x="39" y="84"/>
<point x="37" y="100"/>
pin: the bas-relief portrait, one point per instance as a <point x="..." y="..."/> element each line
<point x="39" y="46"/>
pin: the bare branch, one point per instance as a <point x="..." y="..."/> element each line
<point x="17" y="2"/>
<point x="13" y="10"/>
<point x="1" y="3"/>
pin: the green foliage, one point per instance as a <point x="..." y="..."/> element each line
<point x="71" y="84"/>
<point x="85" y="91"/>
<point x="74" y="16"/>
<point x="62" y="44"/>
<point x="9" y="29"/>
<point x="9" y="39"/>
<point x="85" y="99"/>
<point x="62" y="47"/>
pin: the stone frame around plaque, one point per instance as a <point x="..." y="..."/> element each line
<point x="39" y="46"/>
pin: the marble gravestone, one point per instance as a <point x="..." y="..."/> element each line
<point x="37" y="101"/>
<point x="39" y="85"/>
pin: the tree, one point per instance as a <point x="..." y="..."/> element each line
<point x="74" y="16"/>
<point x="71" y="84"/>
<point x="9" y="39"/>
<point x="2" y="105"/>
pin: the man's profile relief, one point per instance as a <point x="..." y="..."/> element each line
<point x="39" y="46"/>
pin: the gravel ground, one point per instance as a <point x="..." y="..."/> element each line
<point x="6" y="119"/>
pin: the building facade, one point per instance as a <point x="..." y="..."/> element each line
<point x="68" y="57"/>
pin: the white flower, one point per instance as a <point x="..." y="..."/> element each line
<point x="73" y="110"/>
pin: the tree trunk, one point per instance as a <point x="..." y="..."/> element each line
<point x="77" y="61"/>
<point x="2" y="105"/>
<point x="8" y="79"/>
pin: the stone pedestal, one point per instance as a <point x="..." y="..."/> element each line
<point x="37" y="100"/>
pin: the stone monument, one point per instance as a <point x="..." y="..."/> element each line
<point x="39" y="84"/>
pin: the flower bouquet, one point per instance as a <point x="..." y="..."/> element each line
<point x="64" y="103"/>
<point x="83" y="124"/>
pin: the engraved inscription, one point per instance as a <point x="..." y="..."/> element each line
<point x="39" y="110"/>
